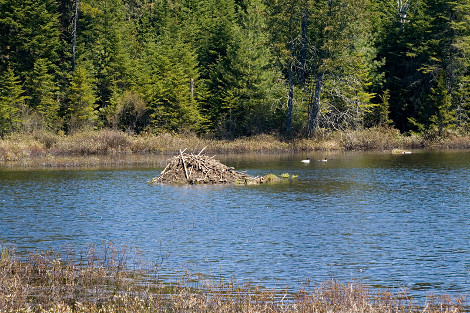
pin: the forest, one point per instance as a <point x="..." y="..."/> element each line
<point x="235" y="68"/>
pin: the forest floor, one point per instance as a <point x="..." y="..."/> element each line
<point x="56" y="150"/>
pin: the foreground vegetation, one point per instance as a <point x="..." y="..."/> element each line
<point x="71" y="282"/>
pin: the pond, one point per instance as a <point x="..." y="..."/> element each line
<point x="387" y="220"/>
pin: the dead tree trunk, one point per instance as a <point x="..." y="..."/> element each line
<point x="303" y="51"/>
<point x="314" y="106"/>
<point x="74" y="34"/>
<point x="290" y="99"/>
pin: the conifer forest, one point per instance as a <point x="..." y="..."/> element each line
<point x="234" y="68"/>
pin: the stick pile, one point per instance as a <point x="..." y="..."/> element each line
<point x="201" y="169"/>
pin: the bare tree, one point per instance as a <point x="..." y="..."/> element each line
<point x="74" y="33"/>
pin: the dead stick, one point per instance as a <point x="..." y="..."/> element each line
<point x="184" y="165"/>
<point x="202" y="150"/>
<point x="163" y="172"/>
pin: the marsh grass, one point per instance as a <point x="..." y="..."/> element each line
<point x="25" y="146"/>
<point x="103" y="281"/>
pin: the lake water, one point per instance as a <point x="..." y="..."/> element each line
<point x="388" y="220"/>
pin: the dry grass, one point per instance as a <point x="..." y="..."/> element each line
<point x="378" y="139"/>
<point x="48" y="282"/>
<point x="20" y="147"/>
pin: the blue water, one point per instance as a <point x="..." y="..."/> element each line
<point x="388" y="220"/>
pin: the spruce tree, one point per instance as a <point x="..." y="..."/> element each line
<point x="252" y="103"/>
<point x="461" y="75"/>
<point x="168" y="80"/>
<point x="216" y="44"/>
<point x="104" y="39"/>
<point x="44" y="93"/>
<point x="82" y="101"/>
<point x="12" y="101"/>
<point x="29" y="31"/>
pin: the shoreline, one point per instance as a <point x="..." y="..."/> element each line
<point x="116" y="148"/>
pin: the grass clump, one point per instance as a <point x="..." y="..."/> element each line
<point x="93" y="282"/>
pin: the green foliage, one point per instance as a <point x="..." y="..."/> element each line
<point x="82" y="113"/>
<point x="105" y="40"/>
<point x="130" y="114"/>
<point x="44" y="93"/>
<point x="426" y="65"/>
<point x="250" y="104"/>
<point x="11" y="102"/>
<point x="167" y="69"/>
<point x="444" y="115"/>
<point x="235" y="68"/>
<point x="344" y="56"/>
<point x="29" y="32"/>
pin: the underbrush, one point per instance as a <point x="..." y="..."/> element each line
<point x="378" y="139"/>
<point x="21" y="146"/>
<point x="84" y="282"/>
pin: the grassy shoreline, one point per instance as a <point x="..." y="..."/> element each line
<point x="56" y="149"/>
<point x="53" y="282"/>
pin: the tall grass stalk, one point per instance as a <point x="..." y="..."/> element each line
<point x="101" y="282"/>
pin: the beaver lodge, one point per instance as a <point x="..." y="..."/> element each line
<point x="201" y="169"/>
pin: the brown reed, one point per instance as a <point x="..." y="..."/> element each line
<point x="26" y="146"/>
<point x="68" y="282"/>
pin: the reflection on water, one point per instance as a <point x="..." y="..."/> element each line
<point x="389" y="220"/>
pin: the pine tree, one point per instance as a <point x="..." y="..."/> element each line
<point x="444" y="115"/>
<point x="461" y="66"/>
<point x="421" y="50"/>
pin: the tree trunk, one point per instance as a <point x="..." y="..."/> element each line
<point x="290" y="100"/>
<point x="303" y="51"/>
<point x="74" y="33"/>
<point x="314" y="106"/>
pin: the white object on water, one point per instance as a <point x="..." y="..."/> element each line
<point x="306" y="161"/>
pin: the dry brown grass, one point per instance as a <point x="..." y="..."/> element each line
<point x="49" y="282"/>
<point x="378" y="139"/>
<point x="21" y="147"/>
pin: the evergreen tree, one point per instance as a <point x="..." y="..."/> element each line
<point x="252" y="101"/>
<point x="342" y="63"/>
<point x="461" y="70"/>
<point x="288" y="22"/>
<point x="168" y="69"/>
<point x="44" y="97"/>
<point x="422" y="47"/>
<point x="444" y="115"/>
<point x="82" y="113"/>
<point x="104" y="40"/>
<point x="29" y="31"/>
<point x="11" y="102"/>
<point x="216" y="45"/>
